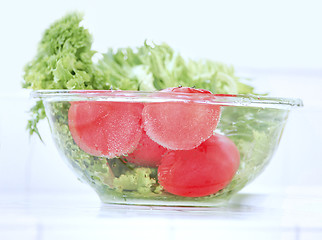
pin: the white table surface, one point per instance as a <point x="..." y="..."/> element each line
<point x="293" y="213"/>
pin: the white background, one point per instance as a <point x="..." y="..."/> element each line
<point x="277" y="43"/>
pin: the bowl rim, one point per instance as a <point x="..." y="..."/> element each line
<point x="245" y="100"/>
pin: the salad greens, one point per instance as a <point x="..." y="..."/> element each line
<point x="64" y="61"/>
<point x="64" y="57"/>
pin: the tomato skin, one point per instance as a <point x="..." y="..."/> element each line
<point x="108" y="129"/>
<point x="201" y="171"/>
<point x="186" y="90"/>
<point x="180" y="125"/>
<point x="147" y="154"/>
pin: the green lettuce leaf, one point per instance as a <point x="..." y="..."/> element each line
<point x="155" y="67"/>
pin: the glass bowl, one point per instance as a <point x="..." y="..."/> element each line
<point x="165" y="149"/>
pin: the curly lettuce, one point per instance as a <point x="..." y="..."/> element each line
<point x="155" y="67"/>
<point x="64" y="61"/>
<point x="64" y="57"/>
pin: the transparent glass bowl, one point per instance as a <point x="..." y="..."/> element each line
<point x="254" y="125"/>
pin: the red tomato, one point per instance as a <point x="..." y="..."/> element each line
<point x="180" y="125"/>
<point x="148" y="153"/>
<point x="201" y="171"/>
<point x="108" y="129"/>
